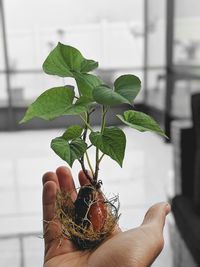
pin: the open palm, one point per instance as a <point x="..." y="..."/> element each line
<point x="134" y="248"/>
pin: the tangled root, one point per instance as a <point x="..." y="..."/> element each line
<point x="85" y="237"/>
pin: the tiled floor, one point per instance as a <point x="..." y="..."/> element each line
<point x="25" y="156"/>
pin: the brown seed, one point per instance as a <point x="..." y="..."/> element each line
<point x="90" y="208"/>
<point x="97" y="214"/>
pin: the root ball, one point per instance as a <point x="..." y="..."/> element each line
<point x="90" y="219"/>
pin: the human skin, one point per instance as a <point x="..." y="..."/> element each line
<point x="138" y="247"/>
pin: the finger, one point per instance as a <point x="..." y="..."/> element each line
<point x="52" y="229"/>
<point x="50" y="176"/>
<point x="156" y="215"/>
<point x="50" y="187"/>
<point x="83" y="180"/>
<point x="66" y="181"/>
<point x="49" y="199"/>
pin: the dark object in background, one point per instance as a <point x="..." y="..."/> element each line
<point x="186" y="203"/>
<point x="184" y="154"/>
<point x="196" y="126"/>
<point x="188" y="223"/>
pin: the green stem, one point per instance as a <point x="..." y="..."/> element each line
<point x="89" y="146"/>
<point x="86" y="123"/>
<point x="85" y="171"/>
<point x="103" y="123"/>
<point x="97" y="166"/>
<point x="101" y="157"/>
<point x="89" y="164"/>
<point x="86" y="120"/>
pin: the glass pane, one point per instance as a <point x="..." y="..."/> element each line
<point x="2" y="63"/>
<point x="156" y="80"/>
<point x="183" y="90"/>
<point x="3" y="92"/>
<point x="186" y="37"/>
<point x="113" y="38"/>
<point x="156" y="32"/>
<point x="98" y="41"/>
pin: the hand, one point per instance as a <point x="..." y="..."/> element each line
<point x="138" y="247"/>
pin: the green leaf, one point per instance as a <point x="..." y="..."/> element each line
<point x="63" y="60"/>
<point x="128" y="86"/>
<point x="56" y="102"/>
<point x="88" y="65"/>
<point x="81" y="105"/>
<point x="86" y="83"/>
<point x="78" y="148"/>
<point x="84" y="100"/>
<point x="72" y="132"/>
<point x="51" y="104"/>
<point x="61" y="147"/>
<point x="112" y="143"/>
<point x="69" y="152"/>
<point x="76" y="109"/>
<point x="140" y="121"/>
<point x="106" y="96"/>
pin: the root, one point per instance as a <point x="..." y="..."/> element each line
<point x="85" y="237"/>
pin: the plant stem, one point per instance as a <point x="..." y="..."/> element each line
<point x="86" y="123"/>
<point x="86" y="120"/>
<point x="91" y="111"/>
<point x="89" y="164"/>
<point x="101" y="157"/>
<point x="97" y="165"/>
<point x="85" y="171"/>
<point x="103" y="122"/>
<point x="89" y="146"/>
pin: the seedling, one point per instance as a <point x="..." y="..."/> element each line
<point x="92" y="217"/>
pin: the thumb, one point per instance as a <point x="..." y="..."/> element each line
<point x="156" y="215"/>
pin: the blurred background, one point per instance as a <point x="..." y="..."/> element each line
<point x="158" y="41"/>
